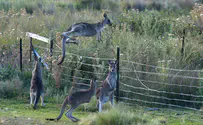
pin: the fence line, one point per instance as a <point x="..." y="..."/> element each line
<point x="170" y="69"/>
<point x="164" y="74"/>
<point x="158" y="103"/>
<point x="80" y="78"/>
<point x="165" y="92"/>
<point x="162" y="83"/>
<point x="87" y="57"/>
<point x="98" y="66"/>
<point x="85" y="71"/>
<point x="76" y="82"/>
<point x="161" y="97"/>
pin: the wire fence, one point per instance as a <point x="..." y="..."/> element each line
<point x="157" y="87"/>
<point x="178" y="88"/>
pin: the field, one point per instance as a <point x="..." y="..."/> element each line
<point x="19" y="112"/>
<point x="160" y="44"/>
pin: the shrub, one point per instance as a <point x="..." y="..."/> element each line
<point x="26" y="78"/>
<point x="84" y="4"/>
<point x="119" y="115"/>
<point x="151" y="23"/>
<point x="11" y="88"/>
<point x="197" y="15"/>
<point x="6" y="73"/>
<point x="5" y="5"/>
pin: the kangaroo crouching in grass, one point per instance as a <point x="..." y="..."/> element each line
<point x="75" y="99"/>
<point x="36" y="88"/>
<point x="106" y="92"/>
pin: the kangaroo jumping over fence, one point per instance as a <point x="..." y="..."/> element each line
<point x="83" y="29"/>
<point x="106" y="92"/>
<point x="36" y="88"/>
<point x="75" y="99"/>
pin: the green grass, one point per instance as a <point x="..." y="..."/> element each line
<point x="19" y="112"/>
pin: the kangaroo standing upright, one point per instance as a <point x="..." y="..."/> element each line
<point x="106" y="92"/>
<point x="75" y="99"/>
<point x="37" y="88"/>
<point x="83" y="29"/>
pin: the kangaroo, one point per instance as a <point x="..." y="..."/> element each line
<point x="83" y="29"/>
<point x="75" y="99"/>
<point x="36" y="88"/>
<point x="106" y="92"/>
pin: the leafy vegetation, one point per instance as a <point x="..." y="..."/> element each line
<point x="150" y="32"/>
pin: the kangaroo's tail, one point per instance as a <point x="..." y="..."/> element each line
<point x="37" y="99"/>
<point x="62" y="111"/>
<point x="63" y="50"/>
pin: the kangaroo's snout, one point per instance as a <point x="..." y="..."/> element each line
<point x="110" y="24"/>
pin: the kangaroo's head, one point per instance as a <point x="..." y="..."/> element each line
<point x="107" y="20"/>
<point x="112" y="66"/>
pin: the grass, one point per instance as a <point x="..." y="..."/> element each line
<point x="19" y="112"/>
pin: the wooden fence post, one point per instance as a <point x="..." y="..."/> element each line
<point x="117" y="85"/>
<point x="21" y="55"/>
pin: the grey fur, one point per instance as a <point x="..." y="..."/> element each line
<point x="75" y="99"/>
<point x="106" y="92"/>
<point x="82" y="29"/>
<point x="37" y="88"/>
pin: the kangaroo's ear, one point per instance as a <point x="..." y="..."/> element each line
<point x="105" y="15"/>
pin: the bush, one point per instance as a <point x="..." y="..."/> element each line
<point x="11" y="88"/>
<point x="119" y="115"/>
<point x="151" y="23"/>
<point x="6" y="73"/>
<point x="26" y="78"/>
<point x="84" y="4"/>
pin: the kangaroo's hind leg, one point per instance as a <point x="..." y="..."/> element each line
<point x="42" y="99"/>
<point x="68" y="36"/>
<point x="111" y="98"/>
<point x="69" y="114"/>
<point x="31" y="97"/>
<point x="99" y="36"/>
<point x="100" y="105"/>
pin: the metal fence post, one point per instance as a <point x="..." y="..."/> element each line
<point x="51" y="53"/>
<point x="30" y="49"/>
<point x="117" y="85"/>
<point x="21" y="55"/>
<point x="183" y="42"/>
<point x="51" y="40"/>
